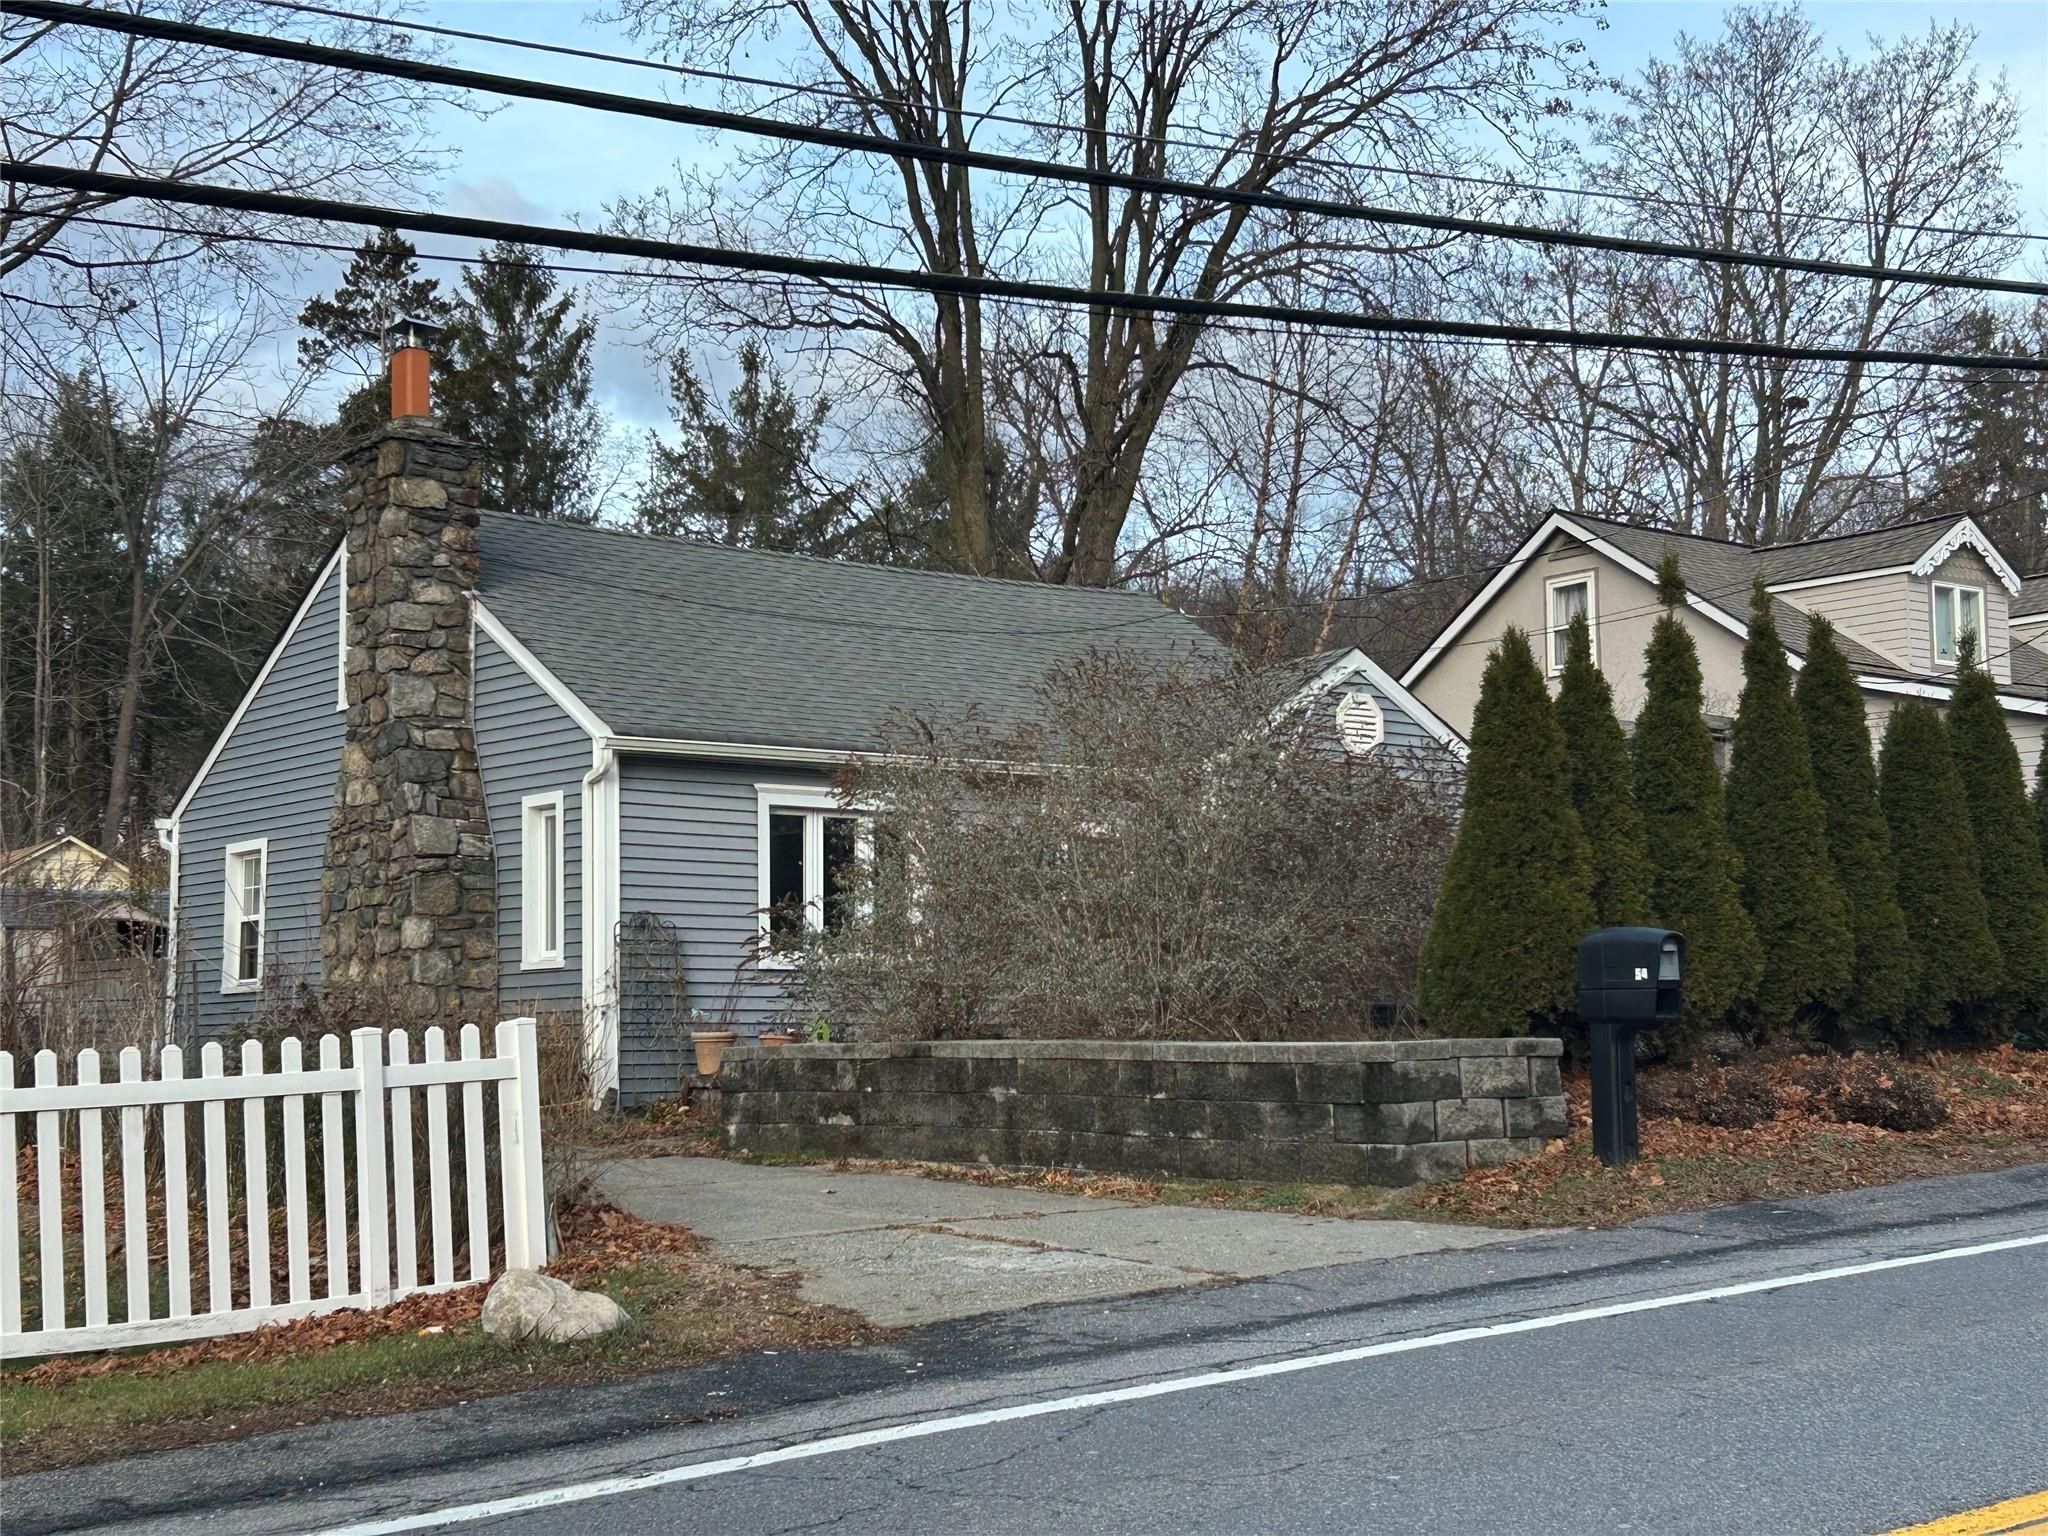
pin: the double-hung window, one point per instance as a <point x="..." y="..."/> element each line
<point x="543" y="900"/>
<point x="810" y="851"/>
<point x="242" y="916"/>
<point x="1566" y="597"/>
<point x="1958" y="611"/>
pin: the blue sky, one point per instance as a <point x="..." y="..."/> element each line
<point x="547" y="164"/>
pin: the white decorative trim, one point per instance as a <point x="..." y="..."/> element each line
<point x="532" y="956"/>
<point x="1347" y="664"/>
<point x="1964" y="532"/>
<point x="231" y="914"/>
<point x="535" y="668"/>
<point x="1835" y="581"/>
<point x="1552" y="585"/>
<point x="341" y="626"/>
<point x="256" y="686"/>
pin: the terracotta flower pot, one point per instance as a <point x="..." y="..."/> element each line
<point x="778" y="1037"/>
<point x="710" y="1044"/>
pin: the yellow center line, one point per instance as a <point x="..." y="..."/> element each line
<point x="2027" y="1514"/>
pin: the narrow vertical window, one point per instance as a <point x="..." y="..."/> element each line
<point x="1568" y="597"/>
<point x="242" y="912"/>
<point x="542" y="887"/>
<point x="1958" y="611"/>
<point x="786" y="883"/>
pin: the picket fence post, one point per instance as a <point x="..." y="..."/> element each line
<point x="373" y="1198"/>
<point x="525" y="1175"/>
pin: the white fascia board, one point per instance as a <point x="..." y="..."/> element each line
<point x="728" y="751"/>
<point x="256" y="686"/>
<point x="1964" y="533"/>
<point x="1940" y="692"/>
<point x="1354" y="663"/>
<point x="1558" y="522"/>
<point x="1832" y="581"/>
<point x="535" y="668"/>
<point x="2027" y="620"/>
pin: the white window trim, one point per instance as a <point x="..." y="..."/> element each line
<point x="1586" y="579"/>
<point x="532" y="957"/>
<point x="231" y="915"/>
<point x="1934" y="591"/>
<point x="816" y="804"/>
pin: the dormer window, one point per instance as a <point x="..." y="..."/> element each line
<point x="1568" y="597"/>
<point x="1958" y="611"/>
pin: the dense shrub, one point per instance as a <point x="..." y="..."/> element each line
<point x="1738" y="1098"/>
<point x="2008" y="844"/>
<point x="1502" y="952"/>
<point x="1779" y="831"/>
<point x="1147" y="859"/>
<point x="1886" y="967"/>
<point x="1603" y="791"/>
<point x="1874" y="1090"/>
<point x="1694" y="875"/>
<point x="1927" y="812"/>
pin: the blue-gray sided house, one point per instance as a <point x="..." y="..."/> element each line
<point x="495" y="762"/>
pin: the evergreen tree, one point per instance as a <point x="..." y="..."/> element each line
<point x="1603" y="791"/>
<point x="382" y="285"/>
<point x="1928" y="813"/>
<point x="2008" y="844"/>
<point x="1695" y="878"/>
<point x="2041" y="799"/>
<point x="745" y="475"/>
<point x="518" y="382"/>
<point x="1779" y="830"/>
<point x="1501" y="955"/>
<point x="1886" y="966"/>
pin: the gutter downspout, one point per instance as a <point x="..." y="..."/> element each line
<point x="600" y="921"/>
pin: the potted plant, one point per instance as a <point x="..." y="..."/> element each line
<point x="778" y="1036"/>
<point x="709" y="1044"/>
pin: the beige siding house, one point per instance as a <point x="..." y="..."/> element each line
<point x="1899" y="598"/>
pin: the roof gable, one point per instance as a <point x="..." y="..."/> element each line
<point x="1306" y="678"/>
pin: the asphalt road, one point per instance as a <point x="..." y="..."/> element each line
<point x="1848" y="1364"/>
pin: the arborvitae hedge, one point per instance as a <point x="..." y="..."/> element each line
<point x="2041" y="798"/>
<point x="1502" y="951"/>
<point x="1779" y="831"/>
<point x="2008" y="842"/>
<point x="1928" y="812"/>
<point x="1886" y="966"/>
<point x="1603" y="791"/>
<point x="1694" y="875"/>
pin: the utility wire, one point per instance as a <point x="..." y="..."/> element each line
<point x="289" y="205"/>
<point x="1216" y="139"/>
<point x="430" y="73"/>
<point x="777" y="285"/>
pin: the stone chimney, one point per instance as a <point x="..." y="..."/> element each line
<point x="408" y="900"/>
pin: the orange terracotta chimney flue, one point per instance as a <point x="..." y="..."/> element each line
<point x="408" y="341"/>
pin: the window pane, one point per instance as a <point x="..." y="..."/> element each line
<point x="1566" y="604"/>
<point x="1944" y="624"/>
<point x="249" y="951"/>
<point x="841" y="849"/>
<point x="550" y="884"/>
<point x="1968" y="620"/>
<point x="785" y="872"/>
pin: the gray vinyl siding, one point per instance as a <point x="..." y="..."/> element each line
<point x="687" y="853"/>
<point x="1405" y="737"/>
<point x="526" y="744"/>
<point x="274" y="779"/>
<point x="1877" y="610"/>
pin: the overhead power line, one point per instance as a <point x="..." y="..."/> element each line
<point x="369" y="216"/>
<point x="1176" y="137"/>
<point x="427" y="72"/>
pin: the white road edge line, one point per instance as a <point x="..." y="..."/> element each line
<point x="602" y="1488"/>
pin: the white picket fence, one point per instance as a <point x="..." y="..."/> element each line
<point x="376" y="1092"/>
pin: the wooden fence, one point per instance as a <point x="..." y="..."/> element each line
<point x="416" y="1184"/>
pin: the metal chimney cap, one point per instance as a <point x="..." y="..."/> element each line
<point x="401" y="334"/>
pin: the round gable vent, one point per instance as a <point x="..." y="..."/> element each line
<point x="1360" y="725"/>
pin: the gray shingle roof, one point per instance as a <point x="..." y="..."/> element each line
<point x="1722" y="574"/>
<point x="2033" y="597"/>
<point x="698" y="642"/>
<point x="1848" y="553"/>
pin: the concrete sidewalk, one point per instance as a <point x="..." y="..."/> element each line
<point x="902" y="1250"/>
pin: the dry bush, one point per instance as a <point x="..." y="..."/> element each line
<point x="1154" y="860"/>
<point x="1738" y="1098"/>
<point x="1874" y="1090"/>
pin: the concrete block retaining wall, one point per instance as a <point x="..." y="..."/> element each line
<point x="1367" y="1112"/>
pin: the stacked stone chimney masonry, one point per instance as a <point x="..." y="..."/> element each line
<point x="408" y="899"/>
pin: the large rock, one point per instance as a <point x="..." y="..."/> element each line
<point x="525" y="1304"/>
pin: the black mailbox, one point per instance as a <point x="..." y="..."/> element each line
<point x="1630" y="980"/>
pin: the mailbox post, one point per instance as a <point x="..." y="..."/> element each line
<point x="1630" y="980"/>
